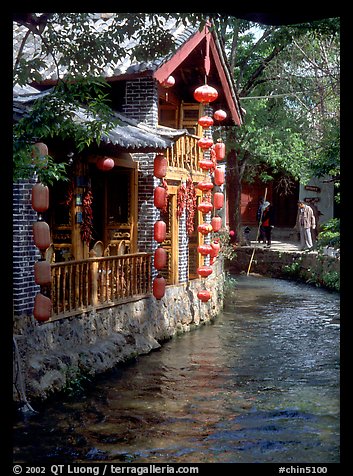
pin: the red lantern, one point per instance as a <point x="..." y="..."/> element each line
<point x="160" y="166"/>
<point x="216" y="223"/>
<point x="205" y="228"/>
<point x="204" y="295"/>
<point x="205" y="186"/>
<point x="42" y="273"/>
<point x="205" y="142"/>
<point x="220" y="149"/>
<point x="205" y="93"/>
<point x="206" y="164"/>
<point x="205" y="121"/>
<point x="204" y="249"/>
<point x="218" y="200"/>
<point x="160" y="258"/>
<point x="204" y="271"/>
<point x="39" y="150"/>
<point x="159" y="197"/>
<point x="40" y="198"/>
<point x="218" y="176"/>
<point x="42" y="307"/>
<point x="168" y="82"/>
<point x="215" y="249"/>
<point x="160" y="231"/>
<point x="41" y="235"/>
<point x="205" y="207"/>
<point x="220" y="115"/>
<point x="159" y="287"/>
<point x="105" y="163"/>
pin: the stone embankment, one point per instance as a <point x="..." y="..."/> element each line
<point x="51" y="356"/>
<point x="286" y="260"/>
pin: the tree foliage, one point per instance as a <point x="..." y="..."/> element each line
<point x="70" y="46"/>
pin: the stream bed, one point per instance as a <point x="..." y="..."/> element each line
<point x="260" y="384"/>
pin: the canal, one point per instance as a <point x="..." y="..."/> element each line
<point x="260" y="384"/>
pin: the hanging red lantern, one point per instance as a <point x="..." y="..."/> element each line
<point x="41" y="235"/>
<point x="205" y="228"/>
<point x="160" y="231"/>
<point x="205" y="207"/>
<point x="159" y="287"/>
<point x="204" y="271"/>
<point x="160" y="258"/>
<point x="218" y="176"/>
<point x="40" y="197"/>
<point x="220" y="115"/>
<point x="215" y="248"/>
<point x="205" y="186"/>
<point x="159" y="197"/>
<point x="218" y="200"/>
<point x="205" y="122"/>
<point x="204" y="249"/>
<point x="204" y="295"/>
<point x="216" y="223"/>
<point x="105" y="163"/>
<point x="205" y="93"/>
<point x="168" y="82"/>
<point x="160" y="166"/>
<point x="206" y="164"/>
<point x="42" y="273"/>
<point x="220" y="149"/>
<point x="39" y="150"/>
<point x="42" y="307"/>
<point x="205" y="142"/>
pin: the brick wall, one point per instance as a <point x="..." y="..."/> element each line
<point x="141" y="100"/>
<point x="183" y="250"/>
<point x="25" y="252"/>
<point x="141" y="103"/>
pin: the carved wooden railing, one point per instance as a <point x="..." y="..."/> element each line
<point x="185" y="153"/>
<point x="79" y="286"/>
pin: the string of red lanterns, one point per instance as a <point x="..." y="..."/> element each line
<point x="206" y="94"/>
<point x="160" y="228"/>
<point x="42" y="309"/>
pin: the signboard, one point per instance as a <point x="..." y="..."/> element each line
<point x="312" y="188"/>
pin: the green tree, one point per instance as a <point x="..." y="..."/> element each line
<point x="288" y="83"/>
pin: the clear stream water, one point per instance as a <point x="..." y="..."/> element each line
<point x="258" y="385"/>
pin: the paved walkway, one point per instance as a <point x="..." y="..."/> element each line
<point x="285" y="246"/>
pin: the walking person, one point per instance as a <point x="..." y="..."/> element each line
<point x="267" y="222"/>
<point x="305" y="223"/>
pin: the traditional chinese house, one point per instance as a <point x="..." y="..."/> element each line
<point x="104" y="221"/>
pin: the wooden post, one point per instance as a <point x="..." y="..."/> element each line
<point x="94" y="282"/>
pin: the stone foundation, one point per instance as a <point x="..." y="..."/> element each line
<point x="273" y="263"/>
<point x="53" y="354"/>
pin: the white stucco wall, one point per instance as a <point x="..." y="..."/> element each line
<point x="325" y="196"/>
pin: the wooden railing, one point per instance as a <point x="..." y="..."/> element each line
<point x="79" y="286"/>
<point x="185" y="153"/>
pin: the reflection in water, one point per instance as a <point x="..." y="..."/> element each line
<point x="260" y="384"/>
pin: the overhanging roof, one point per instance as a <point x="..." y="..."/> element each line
<point x="127" y="134"/>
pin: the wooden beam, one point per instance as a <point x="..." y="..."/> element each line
<point x="181" y="54"/>
<point x="231" y="100"/>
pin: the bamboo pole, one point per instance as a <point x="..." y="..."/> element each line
<point x="257" y="236"/>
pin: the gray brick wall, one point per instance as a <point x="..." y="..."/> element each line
<point x="25" y="253"/>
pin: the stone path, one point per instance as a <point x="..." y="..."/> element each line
<point x="285" y="246"/>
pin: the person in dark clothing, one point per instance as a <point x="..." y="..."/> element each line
<point x="267" y="222"/>
<point x="261" y="236"/>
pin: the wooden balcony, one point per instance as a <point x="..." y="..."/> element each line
<point x="184" y="155"/>
<point x="79" y="286"/>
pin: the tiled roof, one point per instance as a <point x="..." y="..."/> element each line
<point x="32" y="49"/>
<point x="128" y="134"/>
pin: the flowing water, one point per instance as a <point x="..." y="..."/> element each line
<point x="258" y="385"/>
